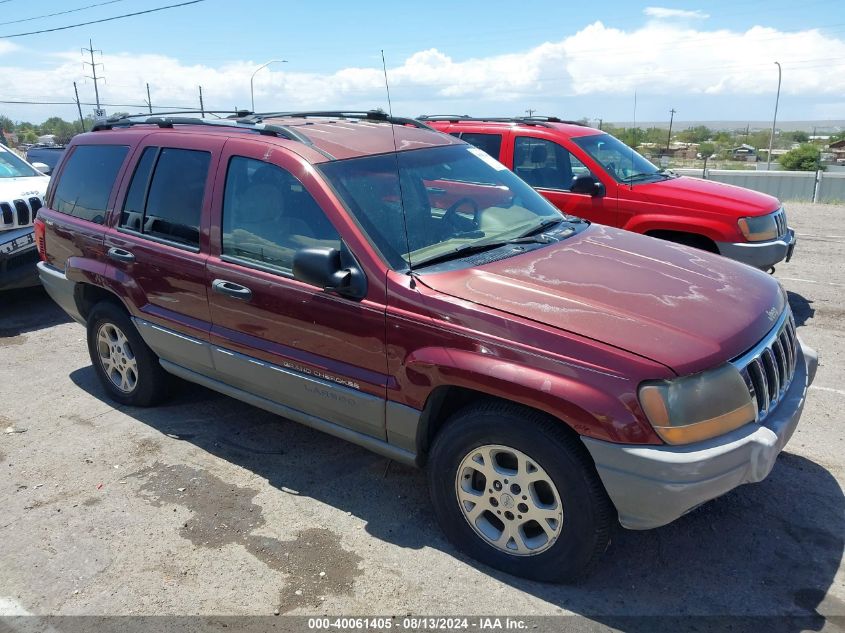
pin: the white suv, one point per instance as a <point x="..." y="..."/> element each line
<point x="22" y="190"/>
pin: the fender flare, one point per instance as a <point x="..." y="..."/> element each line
<point x="568" y="395"/>
<point x="643" y="223"/>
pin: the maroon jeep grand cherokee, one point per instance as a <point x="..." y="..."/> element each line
<point x="553" y="375"/>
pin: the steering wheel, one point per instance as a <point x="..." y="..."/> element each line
<point x="451" y="216"/>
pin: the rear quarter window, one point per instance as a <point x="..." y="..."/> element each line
<point x="87" y="180"/>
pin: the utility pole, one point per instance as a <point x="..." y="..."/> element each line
<point x="79" y="107"/>
<point x="747" y="130"/>
<point x="202" y="107"/>
<point x="601" y="122"/>
<point x="530" y="112"/>
<point x="91" y="50"/>
<point x="774" y="121"/>
<point x="671" y="119"/>
<point x="149" y="101"/>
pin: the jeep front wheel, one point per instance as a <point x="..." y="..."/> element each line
<point x="516" y="491"/>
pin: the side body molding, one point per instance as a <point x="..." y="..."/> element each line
<point x="322" y="404"/>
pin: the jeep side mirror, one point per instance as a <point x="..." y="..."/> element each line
<point x="586" y="183"/>
<point x="332" y="270"/>
<point x="44" y="168"/>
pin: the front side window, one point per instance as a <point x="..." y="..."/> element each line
<point x="439" y="201"/>
<point x="621" y="162"/>
<point x="545" y="164"/>
<point x="268" y="215"/>
<point x="87" y="179"/>
<point x="166" y="194"/>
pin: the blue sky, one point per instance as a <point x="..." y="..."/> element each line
<point x="709" y="60"/>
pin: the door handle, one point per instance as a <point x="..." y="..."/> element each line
<point x="231" y="289"/>
<point x="121" y="255"/>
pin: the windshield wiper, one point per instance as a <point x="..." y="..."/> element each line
<point x="644" y="175"/>
<point x="539" y="228"/>
<point x="480" y="247"/>
<point x="460" y="252"/>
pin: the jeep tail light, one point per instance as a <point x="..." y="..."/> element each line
<point x="41" y="238"/>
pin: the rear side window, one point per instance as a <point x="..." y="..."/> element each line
<point x="490" y="143"/>
<point x="268" y="215"/>
<point x="166" y="194"/>
<point x="87" y="180"/>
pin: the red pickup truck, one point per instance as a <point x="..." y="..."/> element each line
<point x="591" y="174"/>
<point x="554" y="376"/>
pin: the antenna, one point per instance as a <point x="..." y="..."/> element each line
<point x="398" y="172"/>
<point x="634" y="140"/>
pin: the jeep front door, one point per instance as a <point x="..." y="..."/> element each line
<point x="551" y="169"/>
<point x="274" y="336"/>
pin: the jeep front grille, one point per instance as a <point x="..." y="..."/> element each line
<point x="20" y="212"/>
<point x="769" y="367"/>
<point x="780" y="222"/>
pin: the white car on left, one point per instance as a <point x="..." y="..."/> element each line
<point x="22" y="191"/>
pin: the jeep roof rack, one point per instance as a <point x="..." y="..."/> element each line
<point x="243" y="122"/>
<point x="541" y="121"/>
<point x="365" y="115"/>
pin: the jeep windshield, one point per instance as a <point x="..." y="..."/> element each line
<point x="623" y="163"/>
<point x="456" y="199"/>
<point x="13" y="167"/>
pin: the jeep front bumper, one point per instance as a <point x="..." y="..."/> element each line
<point x="762" y="255"/>
<point x="654" y="485"/>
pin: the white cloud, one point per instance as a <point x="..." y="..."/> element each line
<point x="664" y="13"/>
<point x="658" y="58"/>
<point x="7" y="47"/>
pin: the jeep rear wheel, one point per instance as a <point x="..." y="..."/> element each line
<point x="518" y="492"/>
<point x="125" y="365"/>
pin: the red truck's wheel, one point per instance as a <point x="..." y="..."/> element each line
<point x="516" y="491"/>
<point x="128" y="369"/>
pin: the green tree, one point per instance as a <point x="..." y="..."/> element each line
<point x="6" y="123"/>
<point x="707" y="149"/>
<point x="803" y="158"/>
<point x="697" y="134"/>
<point x="798" y="136"/>
<point x="61" y="129"/>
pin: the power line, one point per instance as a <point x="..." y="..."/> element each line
<point x="50" y="15"/>
<point x="116" y="17"/>
<point x="107" y="105"/>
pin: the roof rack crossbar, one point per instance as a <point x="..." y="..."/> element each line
<point x="540" y="121"/>
<point x="170" y="121"/>
<point x="367" y="115"/>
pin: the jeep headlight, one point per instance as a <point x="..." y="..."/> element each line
<point x="759" y="228"/>
<point x="697" y="407"/>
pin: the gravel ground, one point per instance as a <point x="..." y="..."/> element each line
<point x="208" y="506"/>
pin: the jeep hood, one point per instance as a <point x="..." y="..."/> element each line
<point x="684" y="308"/>
<point x="707" y="195"/>
<point x="15" y="188"/>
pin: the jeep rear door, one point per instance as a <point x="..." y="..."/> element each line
<point x="157" y="242"/>
<point x="273" y="336"/>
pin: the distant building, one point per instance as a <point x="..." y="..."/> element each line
<point x="47" y="139"/>
<point x="837" y="148"/>
<point x="744" y="152"/>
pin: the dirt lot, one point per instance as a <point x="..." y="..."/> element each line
<point x="209" y="506"/>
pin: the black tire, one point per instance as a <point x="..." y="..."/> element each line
<point x="588" y="514"/>
<point x="150" y="385"/>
